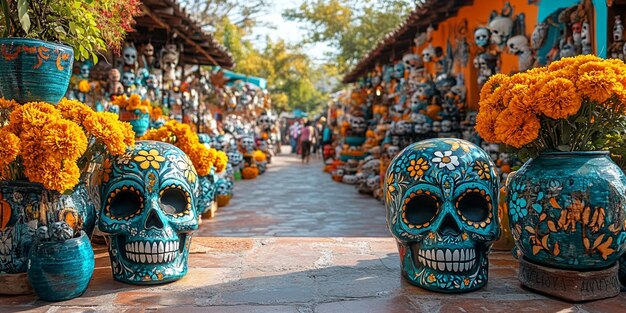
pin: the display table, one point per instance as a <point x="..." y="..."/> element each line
<point x="302" y="275"/>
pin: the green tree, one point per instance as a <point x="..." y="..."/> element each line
<point x="352" y="27"/>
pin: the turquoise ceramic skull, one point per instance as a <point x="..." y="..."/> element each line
<point x="149" y="212"/>
<point x="441" y="197"/>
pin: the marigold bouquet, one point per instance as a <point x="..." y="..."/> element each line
<point x="54" y="145"/>
<point x="183" y="137"/>
<point x="132" y="103"/>
<point x="574" y="104"/>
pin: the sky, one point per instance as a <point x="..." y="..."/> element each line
<point x="279" y="28"/>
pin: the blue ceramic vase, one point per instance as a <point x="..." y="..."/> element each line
<point x="140" y="121"/>
<point x="25" y="206"/>
<point x="61" y="270"/>
<point x="34" y="70"/>
<point x="566" y="210"/>
<point x="208" y="187"/>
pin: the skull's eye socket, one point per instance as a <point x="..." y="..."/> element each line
<point x="175" y="201"/>
<point x="474" y="206"/>
<point x="124" y="203"/>
<point x="420" y="209"/>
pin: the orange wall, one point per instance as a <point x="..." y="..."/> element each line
<point x="477" y="15"/>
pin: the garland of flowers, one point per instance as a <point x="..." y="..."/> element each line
<point x="574" y="104"/>
<point x="54" y="146"/>
<point x="185" y="139"/>
<point x="132" y="103"/>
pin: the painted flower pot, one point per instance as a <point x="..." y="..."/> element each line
<point x="208" y="188"/>
<point x="25" y="206"/>
<point x="566" y="210"/>
<point x="140" y="121"/>
<point x="355" y="140"/>
<point x="61" y="270"/>
<point x="34" y="70"/>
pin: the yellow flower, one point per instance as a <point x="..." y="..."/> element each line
<point x="482" y="169"/>
<point x="221" y="160"/>
<point x="417" y="168"/>
<point x="106" y="127"/>
<point x="149" y="159"/>
<point x="455" y="145"/>
<point x="259" y="156"/>
<point x="32" y="115"/>
<point x="557" y="99"/>
<point x="83" y="86"/>
<point x="597" y="83"/>
<point x="516" y="130"/>
<point x="494" y="82"/>
<point x="9" y="147"/>
<point x="63" y="139"/>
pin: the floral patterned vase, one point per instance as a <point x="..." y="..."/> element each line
<point x="566" y="210"/>
<point x="25" y="206"/>
<point x="208" y="187"/>
<point x="140" y="121"/>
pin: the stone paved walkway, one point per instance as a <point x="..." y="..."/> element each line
<point x="295" y="200"/>
<point x="305" y="275"/>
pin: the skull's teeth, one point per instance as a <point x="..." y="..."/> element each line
<point x="458" y="260"/>
<point x="152" y="252"/>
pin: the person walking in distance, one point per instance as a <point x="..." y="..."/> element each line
<point x="294" y="132"/>
<point x="306" y="139"/>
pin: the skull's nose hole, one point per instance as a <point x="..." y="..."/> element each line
<point x="153" y="220"/>
<point x="449" y="226"/>
<point x="420" y="209"/>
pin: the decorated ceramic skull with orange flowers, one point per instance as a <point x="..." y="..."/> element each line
<point x="149" y="212"/>
<point x="441" y="197"/>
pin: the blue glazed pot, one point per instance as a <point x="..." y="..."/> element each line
<point x="355" y="140"/>
<point x="140" y="121"/>
<point x="25" y="206"/>
<point x="566" y="210"/>
<point x="208" y="187"/>
<point x="34" y="70"/>
<point x="61" y="270"/>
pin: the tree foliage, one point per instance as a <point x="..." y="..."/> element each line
<point x="352" y="27"/>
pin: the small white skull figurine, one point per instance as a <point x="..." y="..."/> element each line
<point x="446" y="126"/>
<point x="618" y="29"/>
<point x="169" y="61"/>
<point x="85" y="69"/>
<point x="428" y="54"/>
<point x="585" y="38"/>
<point x="412" y="61"/>
<point x="349" y="179"/>
<point x="518" y="45"/>
<point x="128" y="79"/>
<point x="481" y="37"/>
<point x="392" y="151"/>
<point x="130" y="55"/>
<point x="247" y="144"/>
<point x="538" y="37"/>
<point x="501" y="26"/>
<point x="358" y="124"/>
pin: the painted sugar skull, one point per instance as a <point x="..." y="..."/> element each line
<point x="85" y="69"/>
<point x="358" y="124"/>
<point x="128" y="79"/>
<point x="149" y="213"/>
<point x="441" y="200"/>
<point x="481" y="37"/>
<point x="247" y="144"/>
<point x="130" y="55"/>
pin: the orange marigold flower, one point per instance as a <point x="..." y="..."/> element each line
<point x="558" y="98"/>
<point x="494" y="82"/>
<point x="74" y="110"/>
<point x="221" y="161"/>
<point x="521" y="102"/>
<point x="63" y="139"/>
<point x="83" y="86"/>
<point x="106" y="127"/>
<point x="8" y="104"/>
<point x="516" y="130"/>
<point x="486" y="123"/>
<point x="32" y="114"/>
<point x="597" y="83"/>
<point x="9" y="147"/>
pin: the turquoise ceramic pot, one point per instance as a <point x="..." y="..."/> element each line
<point x="566" y="210"/>
<point x="34" y="70"/>
<point x="25" y="206"/>
<point x="208" y="187"/>
<point x="355" y="140"/>
<point x="61" y="270"/>
<point x="140" y="121"/>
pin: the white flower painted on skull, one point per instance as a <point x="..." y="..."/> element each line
<point x="446" y="159"/>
